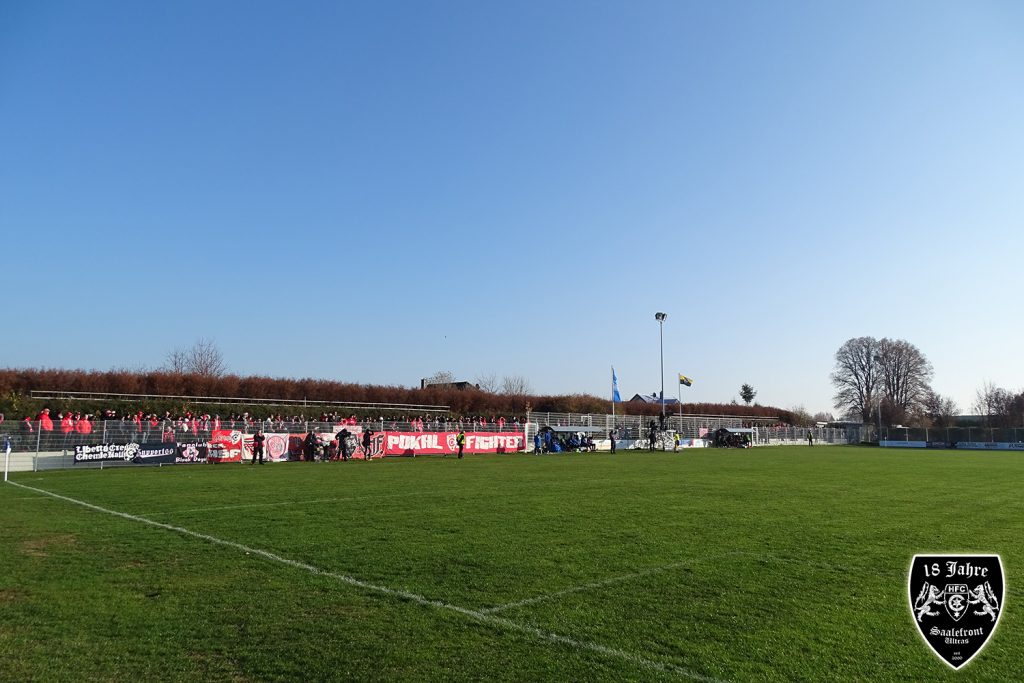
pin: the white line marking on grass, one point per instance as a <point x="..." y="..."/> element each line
<point x="476" y="615"/>
<point x="289" y="502"/>
<point x="601" y="584"/>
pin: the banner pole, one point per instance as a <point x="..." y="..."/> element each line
<point x="7" y="458"/>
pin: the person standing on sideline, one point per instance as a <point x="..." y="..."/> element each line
<point x="309" y="446"/>
<point x="257" y="446"/>
<point x="343" y="444"/>
<point x="460" y="441"/>
<point x="675" y="443"/>
<point x="611" y="437"/>
<point x="810" y="438"/>
<point x="367" y="434"/>
<point x="536" y="443"/>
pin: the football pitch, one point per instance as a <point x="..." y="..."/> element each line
<point x="779" y="563"/>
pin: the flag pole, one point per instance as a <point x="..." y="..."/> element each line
<point x="613" y="397"/>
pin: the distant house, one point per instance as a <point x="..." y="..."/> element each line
<point x="652" y="399"/>
<point x="461" y="386"/>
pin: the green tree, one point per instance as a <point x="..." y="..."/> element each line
<point x="747" y="393"/>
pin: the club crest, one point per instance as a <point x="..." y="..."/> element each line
<point x="956" y="601"/>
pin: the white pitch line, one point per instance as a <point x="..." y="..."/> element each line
<point x="289" y="502"/>
<point x="600" y="584"/>
<point x="476" y="615"/>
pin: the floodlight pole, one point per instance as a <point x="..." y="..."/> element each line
<point x="879" y="422"/>
<point x="660" y="317"/>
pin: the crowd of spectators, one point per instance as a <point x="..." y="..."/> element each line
<point x="186" y="425"/>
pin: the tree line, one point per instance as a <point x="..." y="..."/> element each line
<point x="889" y="381"/>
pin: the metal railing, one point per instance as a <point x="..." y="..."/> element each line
<point x="30" y="437"/>
<point x="29" y="441"/>
<point x="954" y="434"/>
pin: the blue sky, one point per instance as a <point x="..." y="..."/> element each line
<point x="376" y="191"/>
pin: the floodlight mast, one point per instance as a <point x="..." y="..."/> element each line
<point x="660" y="317"/>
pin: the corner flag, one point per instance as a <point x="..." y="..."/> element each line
<point x="684" y="380"/>
<point x="615" y="388"/>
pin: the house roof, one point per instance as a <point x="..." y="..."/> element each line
<point x="652" y="398"/>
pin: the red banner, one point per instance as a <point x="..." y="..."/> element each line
<point x="437" y="443"/>
<point x="225" y="445"/>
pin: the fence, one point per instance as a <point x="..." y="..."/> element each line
<point x="27" y="437"/>
<point x="955" y="434"/>
<point x="636" y="427"/>
<point x="33" y="448"/>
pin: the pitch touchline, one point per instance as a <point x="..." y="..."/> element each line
<point x="657" y="570"/>
<point x="290" y="502"/>
<point x="476" y="615"/>
<point x="601" y="584"/>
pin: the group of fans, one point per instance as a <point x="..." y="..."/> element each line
<point x="184" y="424"/>
<point x="316" y="448"/>
<point x="70" y="423"/>
<point x="546" y="441"/>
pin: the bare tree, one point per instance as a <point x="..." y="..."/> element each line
<point x="941" y="411"/>
<point x="488" y="381"/>
<point x="905" y="374"/>
<point x="856" y="377"/>
<point x="440" y="377"/>
<point x="176" y="362"/>
<point x="1001" y="408"/>
<point x="202" y="358"/>
<point x="800" y="416"/>
<point x="206" y="359"/>
<point x="515" y="385"/>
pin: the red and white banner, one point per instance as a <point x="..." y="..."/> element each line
<point x="437" y="443"/>
<point x="231" y="445"/>
<point x="225" y="445"/>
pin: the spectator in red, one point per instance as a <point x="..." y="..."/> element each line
<point x="83" y="426"/>
<point x="137" y="419"/>
<point x="45" y="423"/>
<point x="67" y="423"/>
<point x="27" y="423"/>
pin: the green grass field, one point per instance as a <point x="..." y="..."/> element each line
<point x="766" y="564"/>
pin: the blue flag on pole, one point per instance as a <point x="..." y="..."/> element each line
<point x="615" y="388"/>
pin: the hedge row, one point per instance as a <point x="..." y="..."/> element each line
<point x="16" y="385"/>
